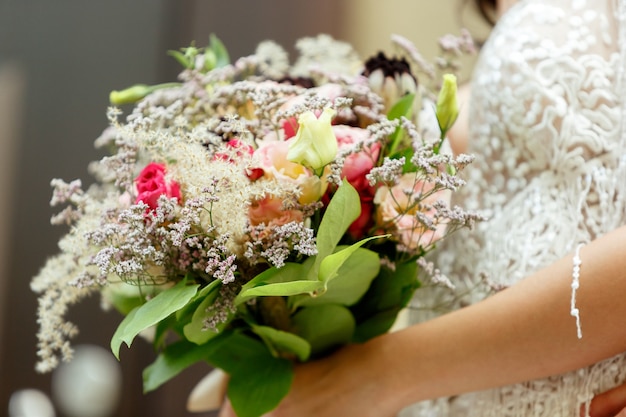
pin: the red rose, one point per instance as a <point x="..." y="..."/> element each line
<point x="357" y="165"/>
<point x="363" y="223"/>
<point x="151" y="184"/>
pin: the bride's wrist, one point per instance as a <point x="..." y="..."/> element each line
<point x="383" y="366"/>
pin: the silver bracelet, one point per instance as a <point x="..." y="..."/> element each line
<point x="574" y="312"/>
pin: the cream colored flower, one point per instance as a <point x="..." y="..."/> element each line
<point x="315" y="144"/>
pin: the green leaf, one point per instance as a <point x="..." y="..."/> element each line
<point x="161" y="330"/>
<point x="389" y="293"/>
<point x="406" y="153"/>
<point x="185" y="313"/>
<point x="353" y="279"/>
<point x="181" y="58"/>
<point x="124" y="303"/>
<point x="279" y="282"/>
<point x="325" y="326"/>
<point x="281" y="342"/>
<point x="260" y="388"/>
<point x="152" y="312"/>
<point x="288" y="272"/>
<point x="195" y="331"/>
<point x="284" y="289"/>
<point x="171" y="361"/>
<point x="343" y="209"/>
<point x="376" y="325"/>
<point x="258" y="380"/>
<point x="221" y="53"/>
<point x="330" y="265"/>
<point x="403" y="107"/>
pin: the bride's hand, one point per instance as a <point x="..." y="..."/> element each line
<point x="611" y="403"/>
<point x="341" y="384"/>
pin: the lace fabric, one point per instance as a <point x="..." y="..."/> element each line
<point x="550" y="173"/>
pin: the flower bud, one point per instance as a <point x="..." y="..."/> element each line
<point x="129" y="95"/>
<point x="447" y="104"/>
<point x="315" y="144"/>
<point x="136" y="92"/>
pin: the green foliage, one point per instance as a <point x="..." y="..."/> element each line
<point x="195" y="331"/>
<point x="389" y="293"/>
<point x="215" y="55"/>
<point x="283" y="344"/>
<point x="325" y="326"/>
<point x="320" y="270"/>
<point x="258" y="380"/>
<point x="125" y="303"/>
<point x="171" y="361"/>
<point x="152" y="312"/>
<point x="342" y="210"/>
<point x="402" y="108"/>
<point x="354" y="277"/>
<point x="279" y="282"/>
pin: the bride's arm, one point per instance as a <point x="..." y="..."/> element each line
<point x="522" y="333"/>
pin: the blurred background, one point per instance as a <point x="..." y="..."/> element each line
<point x="58" y="62"/>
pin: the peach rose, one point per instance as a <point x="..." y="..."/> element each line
<point x="396" y="212"/>
<point x="272" y="159"/>
<point x="270" y="211"/>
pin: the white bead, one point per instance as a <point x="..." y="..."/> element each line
<point x="576" y="264"/>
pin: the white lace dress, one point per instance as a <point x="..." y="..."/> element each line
<point x="550" y="172"/>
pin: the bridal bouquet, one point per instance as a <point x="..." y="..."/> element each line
<point x="260" y="213"/>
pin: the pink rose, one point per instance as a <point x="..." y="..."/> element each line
<point x="396" y="212"/>
<point x="290" y="127"/>
<point x="269" y="211"/>
<point x="357" y="165"/>
<point x="151" y="184"/>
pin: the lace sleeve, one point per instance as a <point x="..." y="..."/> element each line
<point x="547" y="129"/>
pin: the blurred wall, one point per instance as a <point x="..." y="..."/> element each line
<point x="11" y="98"/>
<point x="71" y="53"/>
